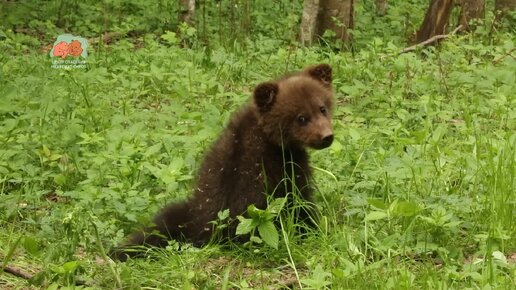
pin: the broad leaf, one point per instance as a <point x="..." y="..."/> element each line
<point x="245" y="226"/>
<point x="375" y="215"/>
<point x="269" y="234"/>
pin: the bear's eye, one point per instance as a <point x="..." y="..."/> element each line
<point x="323" y="110"/>
<point x="302" y="120"/>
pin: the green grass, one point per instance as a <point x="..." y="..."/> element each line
<point x="418" y="190"/>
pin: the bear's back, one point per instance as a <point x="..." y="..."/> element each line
<point x="243" y="166"/>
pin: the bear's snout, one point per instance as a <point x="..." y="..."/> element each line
<point x="324" y="140"/>
<point x="325" y="136"/>
<point x="327" y="140"/>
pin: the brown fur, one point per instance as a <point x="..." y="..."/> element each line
<point x="255" y="153"/>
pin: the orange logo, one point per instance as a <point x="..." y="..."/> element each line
<point x="67" y="44"/>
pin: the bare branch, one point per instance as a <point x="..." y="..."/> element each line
<point x="17" y="272"/>
<point x="509" y="53"/>
<point x="430" y="40"/>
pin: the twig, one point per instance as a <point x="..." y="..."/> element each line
<point x="430" y="40"/>
<point x="509" y="53"/>
<point x="24" y="275"/>
<point x="17" y="272"/>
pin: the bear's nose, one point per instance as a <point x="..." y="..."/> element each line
<point x="327" y="140"/>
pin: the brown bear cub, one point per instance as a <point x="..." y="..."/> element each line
<point x="262" y="151"/>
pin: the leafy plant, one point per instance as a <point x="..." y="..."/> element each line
<point x="261" y="220"/>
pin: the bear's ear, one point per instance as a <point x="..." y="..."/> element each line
<point x="265" y="95"/>
<point x="321" y="72"/>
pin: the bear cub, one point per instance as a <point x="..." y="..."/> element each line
<point x="261" y="151"/>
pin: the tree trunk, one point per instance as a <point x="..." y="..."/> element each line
<point x="470" y="9"/>
<point x="322" y="15"/>
<point x="187" y="11"/>
<point x="502" y="6"/>
<point x="381" y="7"/>
<point x="436" y="19"/>
<point x="309" y="21"/>
<point x="337" y="15"/>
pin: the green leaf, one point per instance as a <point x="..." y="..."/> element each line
<point x="30" y="245"/>
<point x="320" y="275"/>
<point x="54" y="157"/>
<point x="255" y="212"/>
<point x="256" y="239"/>
<point x="53" y="286"/>
<point x="377" y="203"/>
<point x="405" y="208"/>
<point x="46" y="151"/>
<point x="277" y="204"/>
<point x="500" y="258"/>
<point x="453" y="224"/>
<point x="58" y="269"/>
<point x="354" y="134"/>
<point x="429" y="220"/>
<point x="170" y="37"/>
<point x="336" y="147"/>
<point x="60" y="179"/>
<point x="438" y="134"/>
<point x="153" y="150"/>
<point x="269" y="234"/>
<point x="375" y="215"/>
<point x="223" y="214"/>
<point x="245" y="226"/>
<point x="318" y="279"/>
<point x="71" y="266"/>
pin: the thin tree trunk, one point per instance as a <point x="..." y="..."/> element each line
<point x="309" y="21"/>
<point x="381" y="7"/>
<point x="470" y="9"/>
<point x="322" y="15"/>
<point x="337" y="15"/>
<point x="187" y="11"/>
<point x="436" y="19"/>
